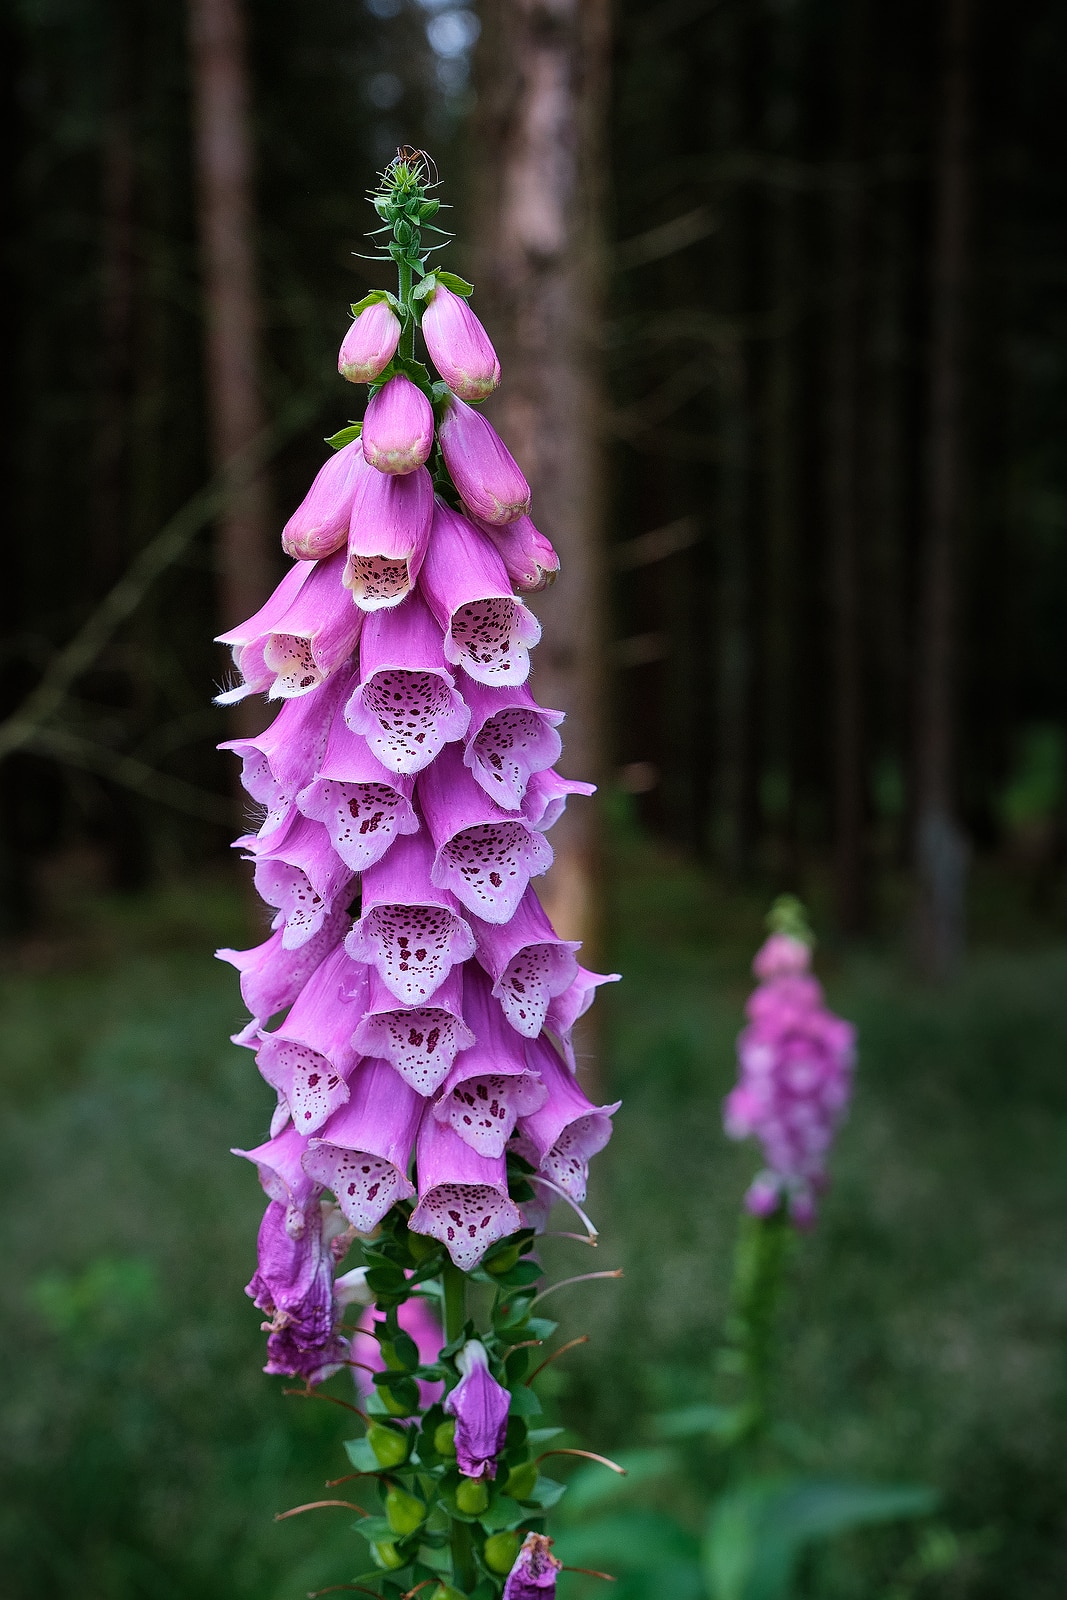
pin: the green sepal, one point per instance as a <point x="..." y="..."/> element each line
<point x="458" y="285"/>
<point x="386" y="1279"/>
<point x="503" y="1513"/>
<point x="521" y="1275"/>
<point x="376" y="297"/>
<point x="362" y="1456"/>
<point x="399" y="1392"/>
<point x="524" y="1403"/>
<point x="544" y="1435"/>
<point x="375" y="1529"/>
<point x="547" y="1492"/>
<point x="401" y="1353"/>
<point x="337" y="441"/>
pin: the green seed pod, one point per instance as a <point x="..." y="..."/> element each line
<point x="503" y="1262"/>
<point x="387" y="1555"/>
<point x="444" y="1438"/>
<point x="472" y="1497"/>
<point x="404" y="1512"/>
<point x="390" y="1446"/>
<point x="500" y="1552"/>
<point x="521" y="1480"/>
<point x="445" y="1591"/>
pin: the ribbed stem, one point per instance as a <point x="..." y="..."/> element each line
<point x="455" y="1286"/>
<point x="407" y="337"/>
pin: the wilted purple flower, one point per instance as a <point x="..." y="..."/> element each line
<point x="319" y="525"/>
<point x="409" y="930"/>
<point x="533" y="1577"/>
<point x="459" y="346"/>
<point x="293" y="1286"/>
<point x="480" y="1407"/>
<point x="370" y="343"/>
<point x="482" y="468"/>
<point x="387" y="536"/>
<point x="463" y="1196"/>
<point x="796" y="1060"/>
<point x="398" y="427"/>
<point x="487" y="631"/>
<point x="407" y="705"/>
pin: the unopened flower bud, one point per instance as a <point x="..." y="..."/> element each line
<point x="483" y="469"/>
<point x="404" y="1512"/>
<point x="370" y="344"/>
<point x="398" y="427"/>
<point x="390" y="1445"/>
<point x="472" y="1497"/>
<point x="444" y="1438"/>
<point x="500" y="1551"/>
<point x="521" y="1480"/>
<point x="319" y="525"/>
<point x="533" y="1577"/>
<point x="387" y="1555"/>
<point x="459" y="346"/>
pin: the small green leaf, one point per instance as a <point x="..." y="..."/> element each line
<point x="375" y="298"/>
<point x="422" y="289"/>
<point x="524" y="1403"/>
<point x="338" y="441"/>
<point x="503" y="1513"/>
<point x="456" y="284"/>
<point x="757" y="1531"/>
<point x="362" y="1456"/>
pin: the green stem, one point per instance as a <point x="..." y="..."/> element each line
<point x="464" y="1571"/>
<point x="762" y="1249"/>
<point x="407" y="337"/>
<point x="455" y="1286"/>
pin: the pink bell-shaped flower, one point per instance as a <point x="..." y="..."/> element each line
<point x="370" y="343"/>
<point x="319" y="525"/>
<point x="482" y="468"/>
<point x="398" y="427"/>
<point x="459" y="346"/>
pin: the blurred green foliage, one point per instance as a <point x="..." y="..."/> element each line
<point x="142" y="1452"/>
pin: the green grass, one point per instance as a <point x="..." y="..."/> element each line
<point x="142" y="1452"/>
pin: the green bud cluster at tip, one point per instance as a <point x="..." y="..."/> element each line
<point x="788" y="915"/>
<point x="405" y="207"/>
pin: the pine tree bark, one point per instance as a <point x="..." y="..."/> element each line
<point x="941" y="850"/>
<point x="231" y="304"/>
<point x="541" y="72"/>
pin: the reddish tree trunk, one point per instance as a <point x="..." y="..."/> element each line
<point x="226" y="224"/>
<point x="940" y="845"/>
<point x="542" y="73"/>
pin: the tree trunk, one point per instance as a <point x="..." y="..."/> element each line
<point x="843" y="486"/>
<point x="541" y="71"/>
<point x="941" y="850"/>
<point x="226" y="226"/>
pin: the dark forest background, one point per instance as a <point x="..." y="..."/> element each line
<point x="813" y="273"/>
<point x="776" y="446"/>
